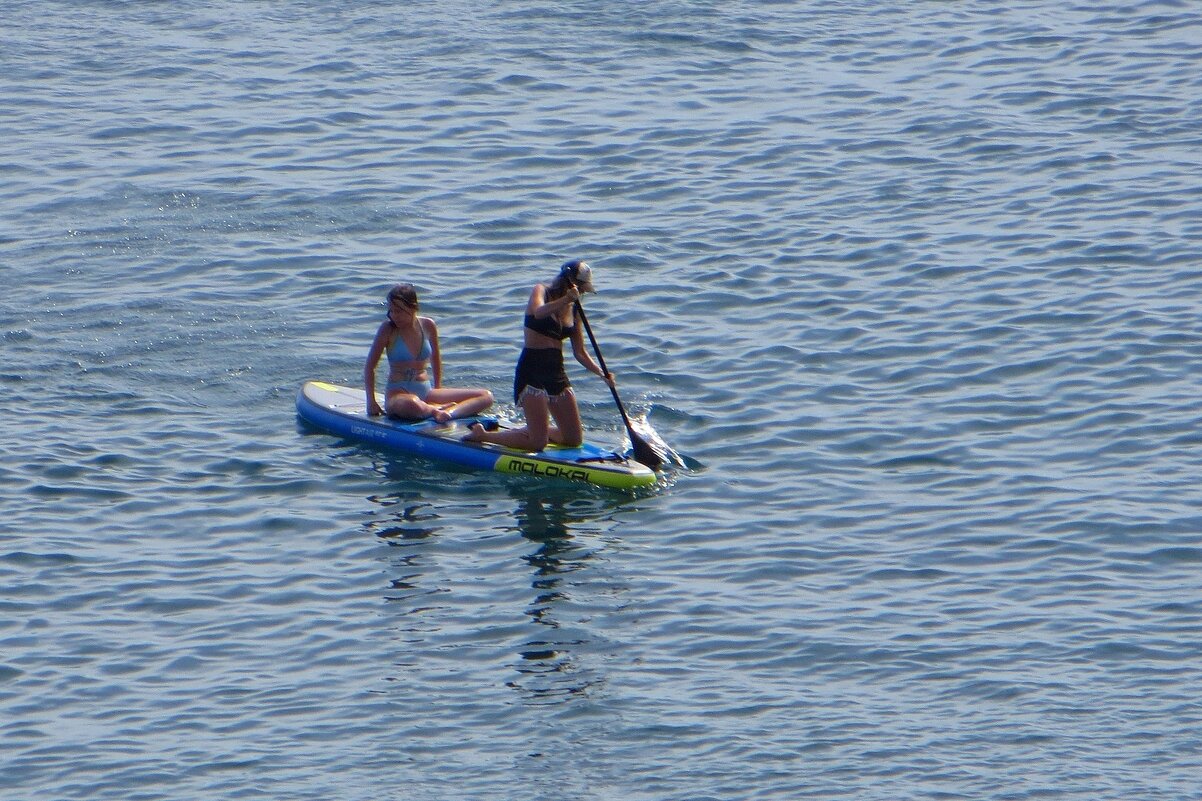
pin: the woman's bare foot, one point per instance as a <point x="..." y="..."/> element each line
<point x="475" y="433"/>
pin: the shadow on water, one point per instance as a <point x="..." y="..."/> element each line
<point x="563" y="530"/>
<point x="551" y="669"/>
<point x="410" y="522"/>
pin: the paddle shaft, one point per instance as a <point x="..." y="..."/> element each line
<point x="643" y="451"/>
<point x="601" y="360"/>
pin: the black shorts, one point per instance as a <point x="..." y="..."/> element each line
<point x="540" y="370"/>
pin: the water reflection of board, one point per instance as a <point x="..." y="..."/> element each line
<point x="342" y="411"/>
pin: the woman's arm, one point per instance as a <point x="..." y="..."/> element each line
<point x="540" y="307"/>
<point x="584" y="357"/>
<point x="369" y="369"/>
<point x="435" y="352"/>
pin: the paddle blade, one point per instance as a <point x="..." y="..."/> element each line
<point x="649" y="448"/>
<point x="645" y="453"/>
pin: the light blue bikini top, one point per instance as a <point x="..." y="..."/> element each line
<point x="398" y="351"/>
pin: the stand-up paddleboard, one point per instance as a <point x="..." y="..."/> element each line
<point x="342" y="411"/>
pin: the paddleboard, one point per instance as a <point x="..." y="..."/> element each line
<point x="342" y="411"/>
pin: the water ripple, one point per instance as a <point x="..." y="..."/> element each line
<point x="910" y="289"/>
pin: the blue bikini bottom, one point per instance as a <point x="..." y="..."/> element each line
<point x="419" y="388"/>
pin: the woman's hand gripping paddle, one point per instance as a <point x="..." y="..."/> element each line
<point x="644" y="453"/>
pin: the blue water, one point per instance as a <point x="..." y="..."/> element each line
<point x="913" y="289"/>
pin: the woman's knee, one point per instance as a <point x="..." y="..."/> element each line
<point x="569" y="430"/>
<point x="407" y="406"/>
<point x="572" y="434"/>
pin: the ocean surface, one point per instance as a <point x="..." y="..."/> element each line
<point x="913" y="289"/>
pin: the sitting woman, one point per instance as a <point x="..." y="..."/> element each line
<point x="411" y="343"/>
<point x="540" y="384"/>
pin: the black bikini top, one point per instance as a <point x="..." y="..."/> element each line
<point x="549" y="326"/>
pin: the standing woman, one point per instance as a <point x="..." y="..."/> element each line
<point x="540" y="383"/>
<point x="411" y="343"/>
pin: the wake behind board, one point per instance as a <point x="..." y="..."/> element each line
<point x="342" y="411"/>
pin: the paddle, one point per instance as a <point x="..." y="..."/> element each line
<point x="643" y="452"/>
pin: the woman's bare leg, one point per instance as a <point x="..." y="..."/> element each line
<point x="532" y="437"/>
<point x="406" y="406"/>
<point x="465" y="402"/>
<point x="568" y="430"/>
